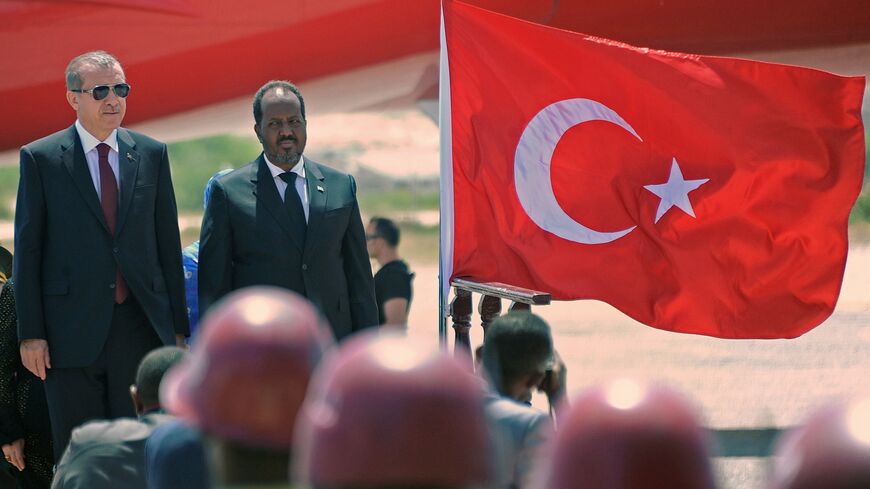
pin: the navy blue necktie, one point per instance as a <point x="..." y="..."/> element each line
<point x="293" y="204"/>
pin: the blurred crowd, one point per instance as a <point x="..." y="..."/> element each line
<point x="266" y="398"/>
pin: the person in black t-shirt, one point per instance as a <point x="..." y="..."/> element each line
<point x="393" y="289"/>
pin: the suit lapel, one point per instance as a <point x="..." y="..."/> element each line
<point x="73" y="157"/>
<point x="266" y="192"/>
<point x="317" y="196"/>
<point x="128" y="166"/>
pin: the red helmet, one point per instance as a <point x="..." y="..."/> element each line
<point x="627" y="434"/>
<point x="830" y="451"/>
<point x="387" y="411"/>
<point x="248" y="373"/>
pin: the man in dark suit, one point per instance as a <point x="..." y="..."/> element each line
<point x="98" y="255"/>
<point x="287" y="221"/>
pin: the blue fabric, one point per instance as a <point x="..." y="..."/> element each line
<point x="190" y="261"/>
<point x="175" y="458"/>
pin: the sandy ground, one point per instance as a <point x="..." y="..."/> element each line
<point x="737" y="384"/>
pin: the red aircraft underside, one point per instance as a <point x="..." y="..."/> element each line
<point x="184" y="54"/>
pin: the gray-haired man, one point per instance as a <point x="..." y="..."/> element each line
<point x="98" y="254"/>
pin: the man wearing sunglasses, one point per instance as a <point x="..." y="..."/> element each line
<point x="98" y="254"/>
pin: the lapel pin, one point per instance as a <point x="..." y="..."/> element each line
<point x="319" y="188"/>
<point x="130" y="156"/>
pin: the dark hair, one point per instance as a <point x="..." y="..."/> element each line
<point x="258" y="97"/>
<point x="516" y="344"/>
<point x="387" y="229"/>
<point x="151" y="371"/>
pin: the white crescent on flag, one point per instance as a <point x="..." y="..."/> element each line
<point x="532" y="167"/>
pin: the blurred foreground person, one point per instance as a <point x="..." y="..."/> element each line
<point x="245" y="381"/>
<point x="175" y="458"/>
<point x="111" y="454"/>
<point x="190" y="262"/>
<point x="830" y="451"/>
<point x="25" y="432"/>
<point x="383" y="413"/>
<point x="393" y="290"/>
<point x="518" y="358"/>
<point x="628" y="434"/>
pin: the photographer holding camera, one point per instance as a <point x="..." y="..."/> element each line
<point x="518" y="357"/>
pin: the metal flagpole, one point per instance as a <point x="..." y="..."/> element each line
<point x="445" y="247"/>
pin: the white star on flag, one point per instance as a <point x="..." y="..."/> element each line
<point x="675" y="192"/>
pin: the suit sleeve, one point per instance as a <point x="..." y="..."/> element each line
<point x="358" y="270"/>
<point x="215" y="251"/>
<point x="29" y="236"/>
<point x="169" y="246"/>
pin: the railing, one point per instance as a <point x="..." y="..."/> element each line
<point x="489" y="306"/>
<point x="752" y="442"/>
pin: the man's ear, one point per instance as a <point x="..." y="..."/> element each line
<point x="257" y="132"/>
<point x="137" y="403"/>
<point x="73" y="100"/>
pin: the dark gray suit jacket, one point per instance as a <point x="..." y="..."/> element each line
<point x="246" y="239"/>
<point x="107" y="454"/>
<point x="65" y="257"/>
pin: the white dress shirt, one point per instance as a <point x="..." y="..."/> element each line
<point x="89" y="145"/>
<point x="300" y="182"/>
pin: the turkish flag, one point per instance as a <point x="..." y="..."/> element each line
<point x="696" y="194"/>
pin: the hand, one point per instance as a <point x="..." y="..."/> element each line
<point x="180" y="341"/>
<point x="555" y="383"/>
<point x="34" y="356"/>
<point x="14" y="453"/>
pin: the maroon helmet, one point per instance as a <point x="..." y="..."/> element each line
<point x="386" y="411"/>
<point x="628" y="434"/>
<point x="249" y="370"/>
<point x="830" y="451"/>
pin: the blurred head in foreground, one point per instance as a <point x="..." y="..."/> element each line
<point x="831" y="450"/>
<point x="628" y="434"/>
<point x="246" y="379"/>
<point x="387" y="412"/>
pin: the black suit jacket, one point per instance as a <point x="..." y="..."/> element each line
<point x="65" y="257"/>
<point x="246" y="239"/>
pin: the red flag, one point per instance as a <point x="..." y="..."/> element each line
<point x="696" y="194"/>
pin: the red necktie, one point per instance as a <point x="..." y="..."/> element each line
<point x="109" y="201"/>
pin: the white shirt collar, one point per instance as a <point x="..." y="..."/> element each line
<point x="298" y="169"/>
<point x="89" y="142"/>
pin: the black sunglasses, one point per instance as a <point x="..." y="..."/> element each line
<point x="370" y="237"/>
<point x="100" y="92"/>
